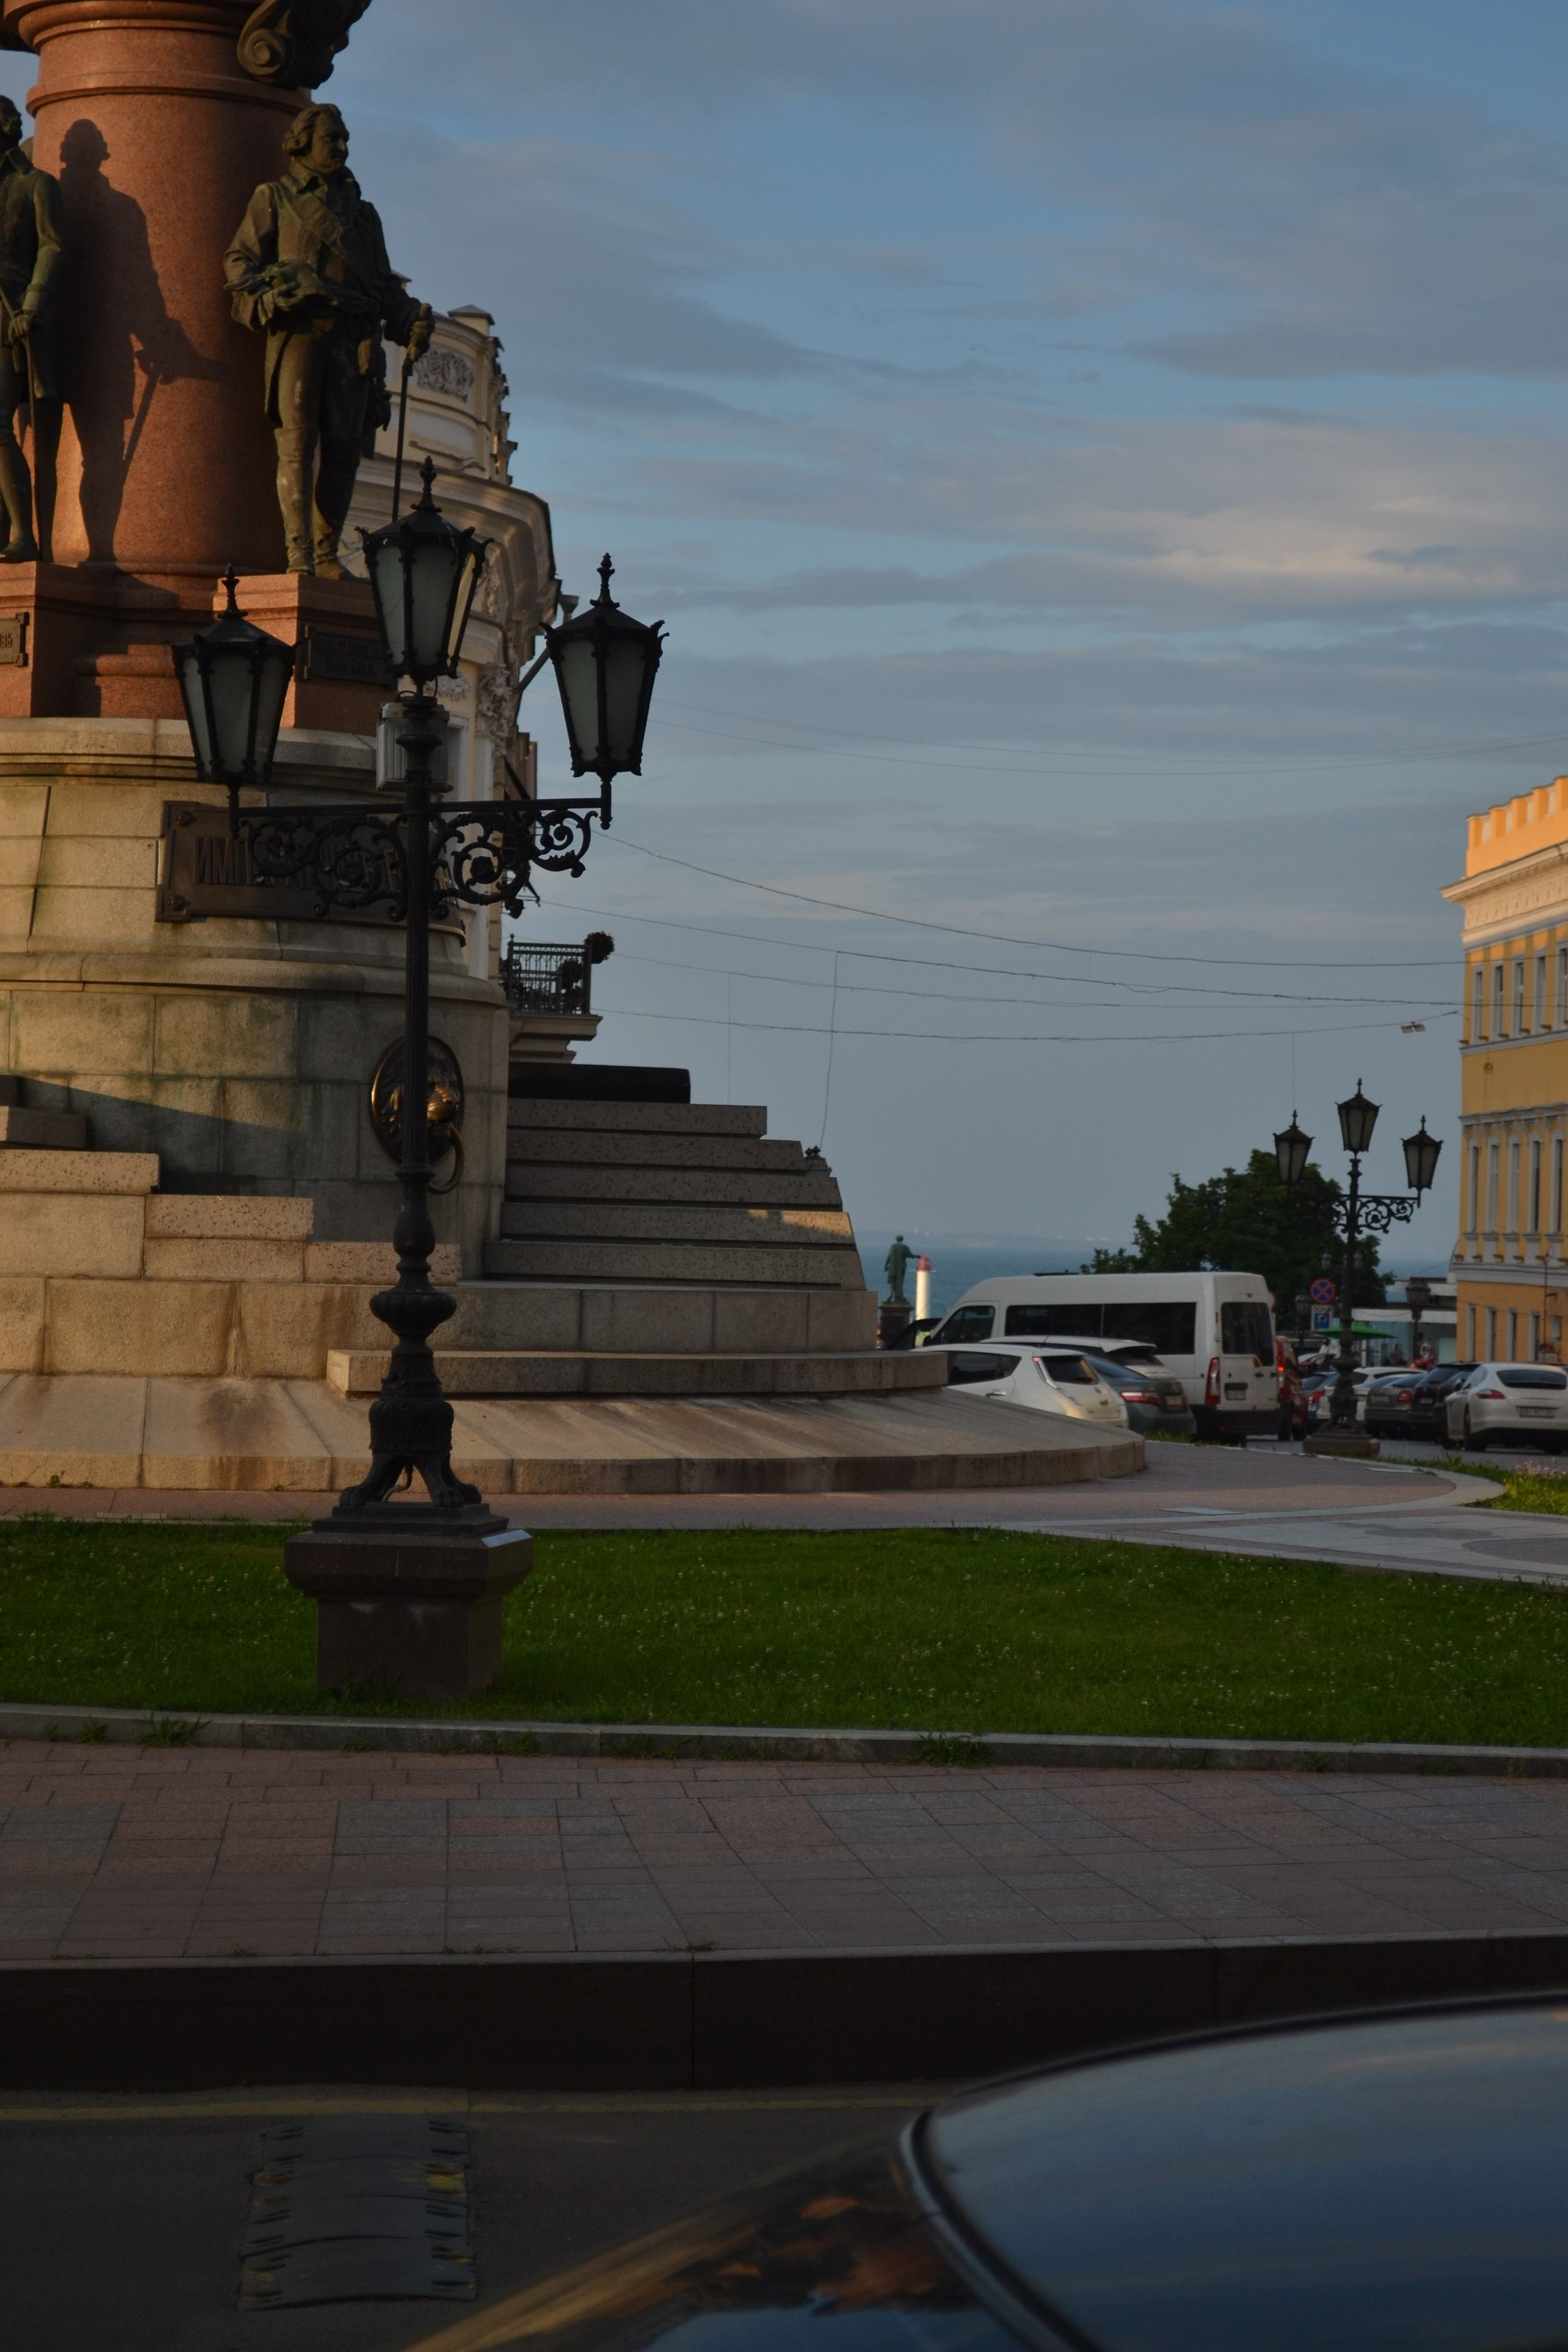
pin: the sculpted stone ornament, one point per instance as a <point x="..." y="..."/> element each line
<point x="307" y="269"/>
<point x="29" y="254"/>
<point x="295" y="42"/>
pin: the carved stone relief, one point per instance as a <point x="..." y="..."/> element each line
<point x="497" y="702"/>
<point x="446" y="370"/>
<point x="294" y="42"/>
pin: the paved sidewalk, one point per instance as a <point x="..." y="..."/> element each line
<point x="158" y="1853"/>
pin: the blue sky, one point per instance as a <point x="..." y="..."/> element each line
<point x="1101" y="465"/>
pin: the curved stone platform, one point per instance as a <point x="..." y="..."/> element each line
<point x="303" y="1437"/>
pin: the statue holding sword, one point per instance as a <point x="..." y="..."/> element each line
<point x="29" y="257"/>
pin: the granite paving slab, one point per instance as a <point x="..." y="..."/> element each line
<point x="116" y="1852"/>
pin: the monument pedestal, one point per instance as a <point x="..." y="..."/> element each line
<point x="408" y="1599"/>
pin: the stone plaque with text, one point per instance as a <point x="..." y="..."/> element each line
<point x="207" y="871"/>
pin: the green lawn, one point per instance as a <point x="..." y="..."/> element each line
<point x="931" y="1629"/>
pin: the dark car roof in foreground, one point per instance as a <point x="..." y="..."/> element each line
<point x="1400" y="2184"/>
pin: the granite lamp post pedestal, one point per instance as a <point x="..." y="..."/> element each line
<point x="409" y="1598"/>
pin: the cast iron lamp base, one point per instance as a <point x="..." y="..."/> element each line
<point x="1352" y="1445"/>
<point x="409" y="1598"/>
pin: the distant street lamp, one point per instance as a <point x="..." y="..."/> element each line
<point x="416" y="862"/>
<point x="1355" y="1213"/>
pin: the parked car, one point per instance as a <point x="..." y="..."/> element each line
<point x="1528" y="1402"/>
<point x="1410" y="1405"/>
<point x="1047" y="1379"/>
<point x="1429" y="1414"/>
<point x="1371" y="2184"/>
<point x="1214" y="1331"/>
<point x="1155" y="1397"/>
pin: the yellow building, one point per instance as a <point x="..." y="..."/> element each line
<point x="1508" y="1262"/>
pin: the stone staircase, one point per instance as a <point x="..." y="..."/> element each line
<point x="661" y="1191"/>
<point x="661" y="1249"/>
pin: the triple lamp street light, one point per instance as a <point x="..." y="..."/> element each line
<point x="1355" y="1213"/>
<point x="409" y="1594"/>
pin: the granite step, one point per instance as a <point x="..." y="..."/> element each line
<point x="301" y="1437"/>
<point x="637" y="1118"/>
<point x="723" y="1187"/>
<point x="560" y="1374"/>
<point x="570" y="1146"/>
<point x="653" y="1319"/>
<point x="708" y="1263"/>
<point x="631" y="1221"/>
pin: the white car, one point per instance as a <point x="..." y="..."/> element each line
<point x="1529" y="1400"/>
<point x="1044" y="1380"/>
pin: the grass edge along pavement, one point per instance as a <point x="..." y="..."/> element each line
<point x="953" y="1632"/>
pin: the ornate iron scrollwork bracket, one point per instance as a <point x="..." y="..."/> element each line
<point x="1376" y="1212"/>
<point x="482" y="853"/>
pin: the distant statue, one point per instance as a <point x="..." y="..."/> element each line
<point x="308" y="270"/>
<point x="29" y="256"/>
<point x="896" y="1265"/>
<point x="294" y="42"/>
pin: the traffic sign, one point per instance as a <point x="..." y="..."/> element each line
<point x="1322" y="1320"/>
<point x="1322" y="1292"/>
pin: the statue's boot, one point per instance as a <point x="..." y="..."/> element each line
<point x="335" y="496"/>
<point x="16" y="490"/>
<point x="295" y="453"/>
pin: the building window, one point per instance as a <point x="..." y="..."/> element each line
<point x="1494" y="1157"/>
<point x="1560" y="1006"/>
<point x="1518" y="1029"/>
<point x="1535" y="1339"/>
<point x="1473" y="1203"/>
<point x="1541" y="1015"/>
<point x="1478" y="1006"/>
<point x="1512" y="1356"/>
<point x="1492" y="1335"/>
<point x="1512" y="1226"/>
<point x="1557" y="1184"/>
<point x="1497" y="983"/>
<point x="1535" y="1188"/>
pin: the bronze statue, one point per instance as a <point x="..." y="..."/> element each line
<point x="29" y="252"/>
<point x="894" y="1267"/>
<point x="309" y="269"/>
<point x="295" y="41"/>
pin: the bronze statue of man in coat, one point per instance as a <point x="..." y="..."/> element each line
<point x="307" y="269"/>
<point x="29" y="254"/>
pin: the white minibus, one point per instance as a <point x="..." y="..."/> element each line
<point x="1215" y="1331"/>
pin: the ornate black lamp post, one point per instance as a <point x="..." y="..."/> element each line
<point x="1355" y="1213"/>
<point x="409" y="1592"/>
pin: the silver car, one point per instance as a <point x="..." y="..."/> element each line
<point x="1042" y="1379"/>
<point x="1520" y="1400"/>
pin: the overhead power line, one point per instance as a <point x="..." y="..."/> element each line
<point x="1001" y="1037"/>
<point x="1011" y="940"/>
<point x="576" y="905"/>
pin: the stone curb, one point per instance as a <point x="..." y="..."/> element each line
<point x="707" y="2020"/>
<point x="739" y="1743"/>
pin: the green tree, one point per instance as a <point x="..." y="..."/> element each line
<point x="1246" y="1221"/>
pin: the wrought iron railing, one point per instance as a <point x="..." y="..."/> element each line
<point x="553" y="975"/>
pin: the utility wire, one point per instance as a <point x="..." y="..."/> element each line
<point x="1042" y="1005"/>
<point x="1001" y="1037"/>
<point x="1011" y="939"/>
<point x="993" y="972"/>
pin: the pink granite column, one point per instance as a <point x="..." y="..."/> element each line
<point x="157" y="137"/>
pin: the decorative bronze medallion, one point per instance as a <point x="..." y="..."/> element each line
<point x="444" y="1114"/>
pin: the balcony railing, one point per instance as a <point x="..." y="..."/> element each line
<point x="553" y="975"/>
